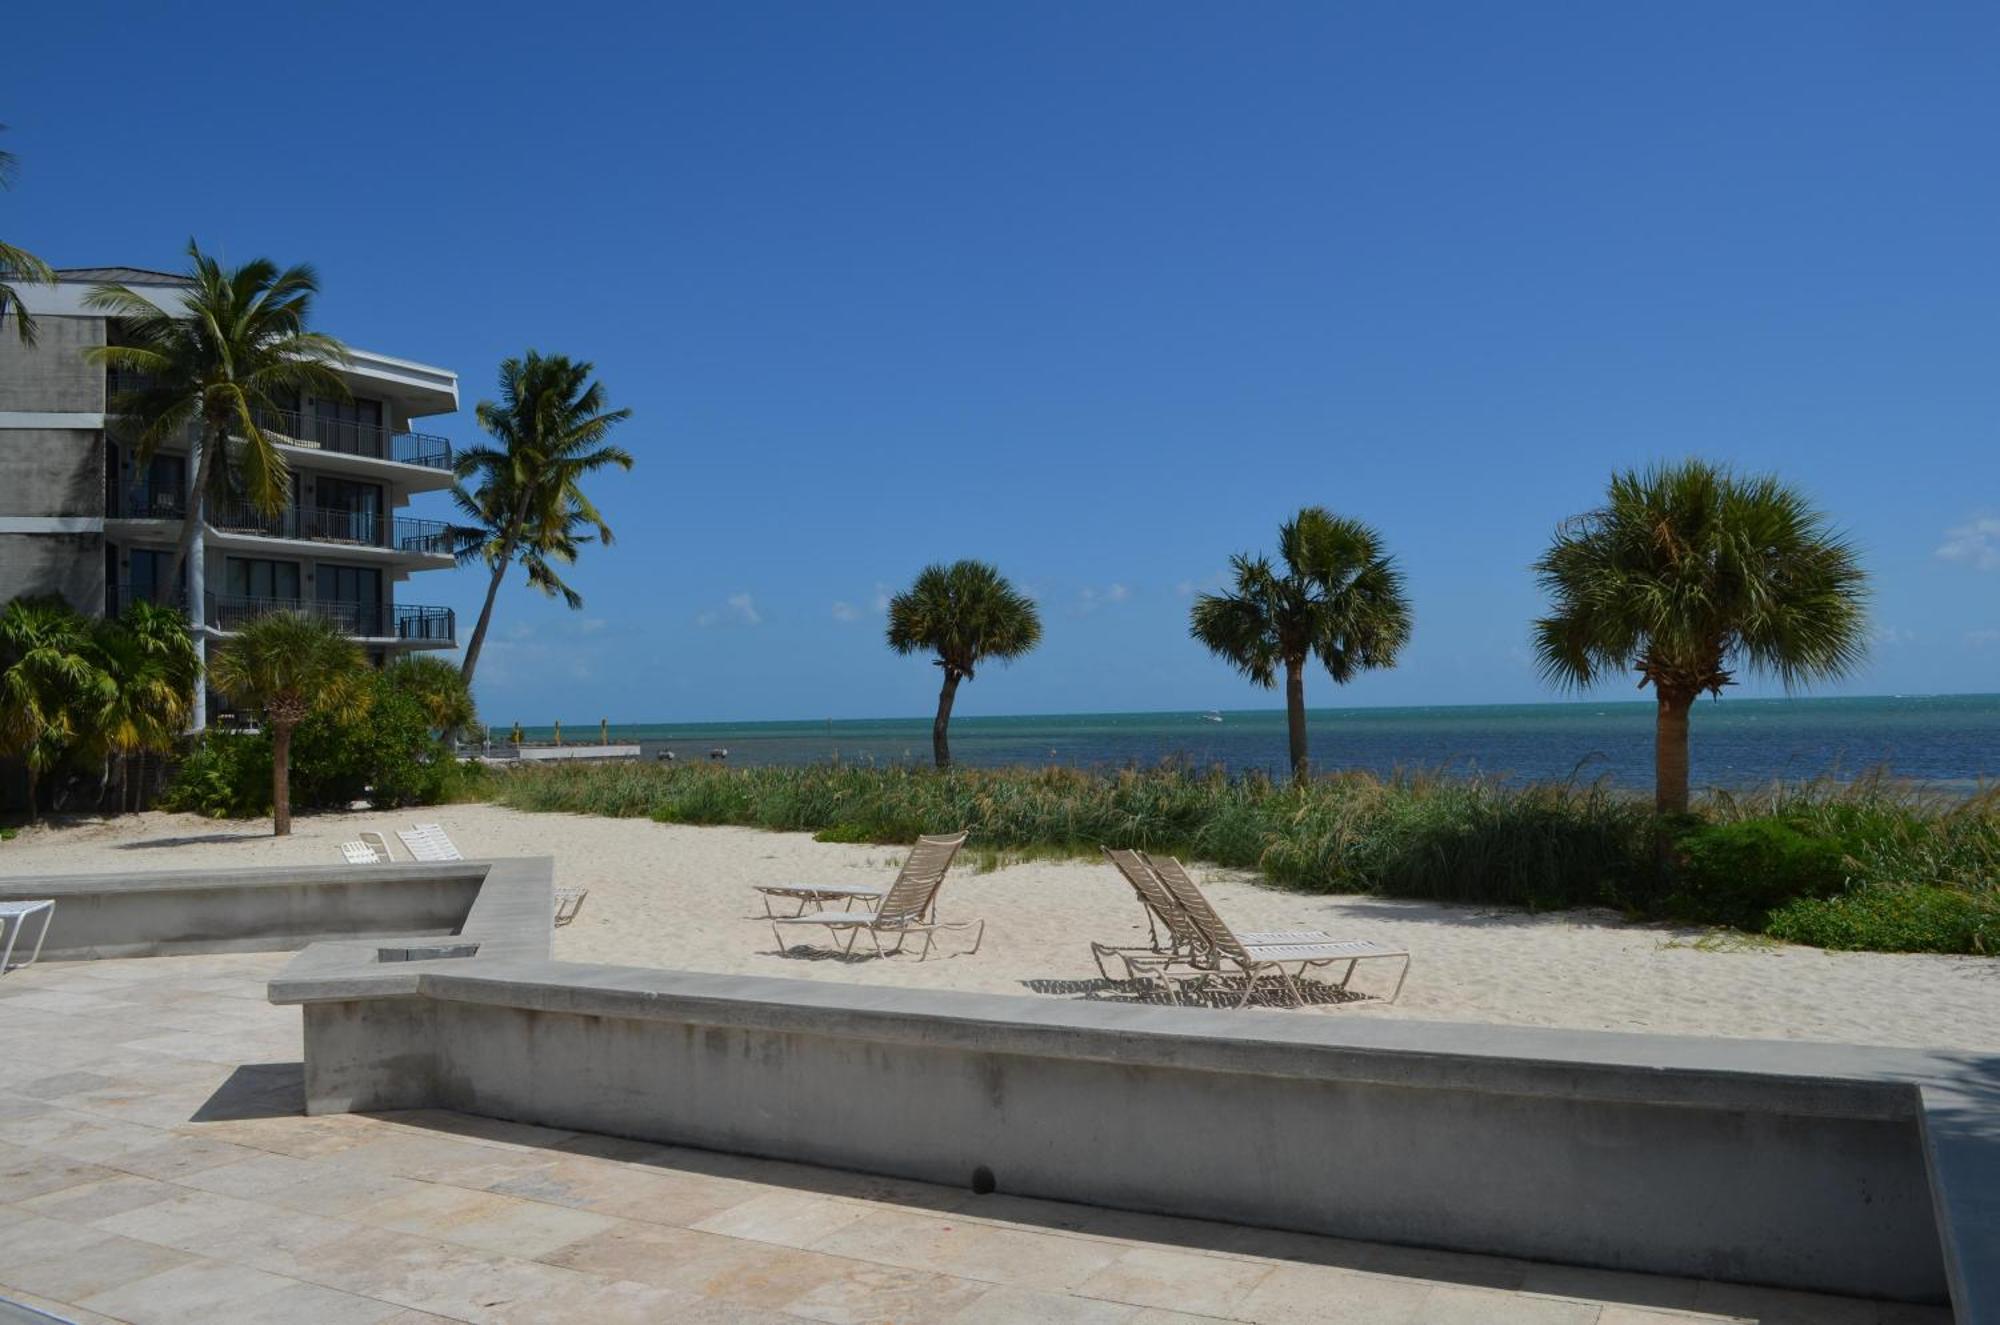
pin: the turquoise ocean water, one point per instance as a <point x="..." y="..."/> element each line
<point x="1949" y="740"/>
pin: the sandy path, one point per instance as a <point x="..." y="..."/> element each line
<point x="663" y="895"/>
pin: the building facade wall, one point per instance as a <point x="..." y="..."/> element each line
<point x="54" y="376"/>
<point x="51" y="472"/>
<point x="68" y="564"/>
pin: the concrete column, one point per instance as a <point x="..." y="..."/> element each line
<point x="197" y="585"/>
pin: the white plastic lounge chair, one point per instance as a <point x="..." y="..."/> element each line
<point x="428" y="842"/>
<point x="13" y="915"/>
<point x="568" y="902"/>
<point x="909" y="907"/>
<point x="368" y="849"/>
<point x="1268" y="960"/>
<point x="1173" y="939"/>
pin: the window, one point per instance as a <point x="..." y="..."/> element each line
<point x="357" y="590"/>
<point x="146" y="575"/>
<point x="353" y="426"/>
<point x="349" y="510"/>
<point x="250" y="578"/>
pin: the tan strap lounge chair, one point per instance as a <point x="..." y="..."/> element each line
<point x="908" y="907"/>
<point x="921" y="858"/>
<point x="1269" y="960"/>
<point x="1173" y="938"/>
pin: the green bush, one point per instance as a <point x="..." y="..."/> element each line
<point x="1737" y="873"/>
<point x="227" y="775"/>
<point x="1886" y="918"/>
<point x="390" y="756"/>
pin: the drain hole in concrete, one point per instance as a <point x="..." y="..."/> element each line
<point x="982" y="1181"/>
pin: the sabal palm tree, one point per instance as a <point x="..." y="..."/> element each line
<point x="289" y="666"/>
<point x="963" y="613"/>
<point x="232" y="352"/>
<point x="551" y="428"/>
<point x="17" y="264"/>
<point x="50" y="685"/>
<point x="1686" y="573"/>
<point x="155" y="672"/>
<point x="1339" y="598"/>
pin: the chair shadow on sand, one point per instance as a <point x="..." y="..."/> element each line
<point x="1218" y="992"/>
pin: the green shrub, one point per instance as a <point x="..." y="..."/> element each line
<point x="389" y="757"/>
<point x="1885" y="918"/>
<point x="227" y="775"/>
<point x="1736" y="874"/>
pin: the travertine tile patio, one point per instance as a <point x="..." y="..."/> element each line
<point x="155" y="1168"/>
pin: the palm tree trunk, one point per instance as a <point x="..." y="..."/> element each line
<point x="1670" y="752"/>
<point x="281" y="779"/>
<point x="1295" y="717"/>
<point x="197" y="496"/>
<point x="34" y="807"/>
<point x="473" y="645"/>
<point x="941" y="727"/>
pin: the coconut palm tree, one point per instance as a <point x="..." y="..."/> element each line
<point x="17" y="264"/>
<point x="963" y="613"/>
<point x="51" y="685"/>
<point x="289" y="666"/>
<point x="155" y="671"/>
<point x="231" y="354"/>
<point x="528" y="504"/>
<point x="1339" y="598"/>
<point x="1687" y="573"/>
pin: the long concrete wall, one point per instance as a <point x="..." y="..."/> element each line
<point x="1546" y="1147"/>
<point x="150" y="914"/>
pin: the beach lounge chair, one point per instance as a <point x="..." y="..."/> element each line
<point x="13" y="915"/>
<point x="1173" y="939"/>
<point x="368" y="849"/>
<point x="428" y="842"/>
<point x="568" y="902"/>
<point x="922" y="858"/>
<point x="1261" y="961"/>
<point x="909" y="907"/>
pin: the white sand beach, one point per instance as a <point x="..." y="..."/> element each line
<point x="680" y="897"/>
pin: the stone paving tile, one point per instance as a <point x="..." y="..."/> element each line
<point x="431" y="1158"/>
<point x="1011" y="1306"/>
<point x="1179" y="1280"/>
<point x="1047" y="1261"/>
<point x="62" y="1310"/>
<point x="188" y="1294"/>
<point x="486" y="1220"/>
<point x="871" y="1293"/>
<point x="70" y="1262"/>
<point x="1452" y="1305"/>
<point x="31" y="1173"/>
<point x="98" y="1200"/>
<point x="790" y="1219"/>
<point x="630" y="1192"/>
<point x="1321" y="1295"/>
<point x="1604" y="1286"/>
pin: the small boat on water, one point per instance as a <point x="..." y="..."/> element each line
<point x="1211" y="716"/>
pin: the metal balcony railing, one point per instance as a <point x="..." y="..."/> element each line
<point x="144" y="501"/>
<point x="327" y="525"/>
<point x="304" y="429"/>
<point x="406" y="621"/>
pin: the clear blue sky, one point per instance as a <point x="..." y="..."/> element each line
<point x="1099" y="292"/>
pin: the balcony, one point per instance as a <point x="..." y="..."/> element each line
<point x="341" y="436"/>
<point x="402" y="621"/>
<point x="351" y="528"/>
<point x="144" y="501"/>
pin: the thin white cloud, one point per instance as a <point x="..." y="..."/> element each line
<point x="1206" y="584"/>
<point x="882" y="595"/>
<point x="844" y="611"/>
<point x="739" y="609"/>
<point x="1892" y="636"/>
<point x="1089" y="598"/>
<point x="1976" y="544"/>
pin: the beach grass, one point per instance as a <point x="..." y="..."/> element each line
<point x="1870" y="864"/>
